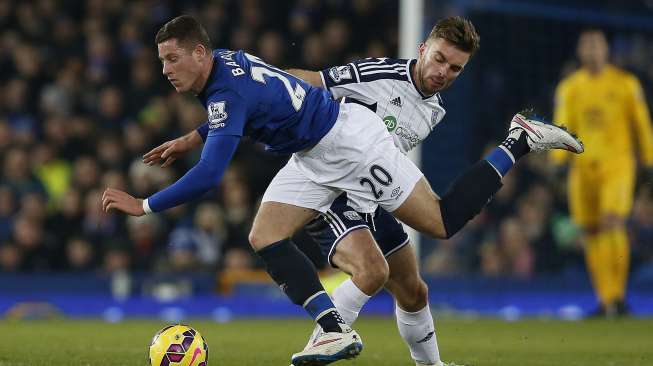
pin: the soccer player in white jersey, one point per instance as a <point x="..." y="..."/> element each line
<point x="405" y="95"/>
<point x="356" y="156"/>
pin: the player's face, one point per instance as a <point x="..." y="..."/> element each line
<point x="593" y="49"/>
<point x="438" y="65"/>
<point x="181" y="66"/>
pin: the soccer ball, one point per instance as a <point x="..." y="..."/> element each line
<point x="178" y="345"/>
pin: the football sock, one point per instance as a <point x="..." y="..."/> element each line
<point x="597" y="257"/>
<point x="504" y="156"/>
<point x="297" y="277"/>
<point x="349" y="300"/>
<point x="621" y="258"/>
<point x="324" y="312"/>
<point x="418" y="331"/>
<point x="468" y="194"/>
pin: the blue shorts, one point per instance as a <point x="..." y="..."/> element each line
<point x="329" y="228"/>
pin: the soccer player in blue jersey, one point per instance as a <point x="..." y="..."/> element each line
<point x="336" y="148"/>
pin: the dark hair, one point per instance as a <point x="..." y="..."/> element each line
<point x="187" y="30"/>
<point x="459" y="31"/>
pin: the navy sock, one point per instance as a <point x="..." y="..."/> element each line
<point x="297" y="277"/>
<point x="324" y="312"/>
<point x="467" y="196"/>
<point x="504" y="156"/>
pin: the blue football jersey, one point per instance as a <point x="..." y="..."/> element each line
<point x="244" y="96"/>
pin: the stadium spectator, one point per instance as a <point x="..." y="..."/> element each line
<point x="7" y="211"/>
<point x="199" y="245"/>
<point x="80" y="255"/>
<point x="10" y="258"/>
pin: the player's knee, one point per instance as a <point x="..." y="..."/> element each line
<point x="379" y="273"/>
<point x="419" y="295"/>
<point x="257" y="240"/>
<point x="372" y="274"/>
<point x="414" y="295"/>
<point x="422" y="292"/>
<point x="612" y="222"/>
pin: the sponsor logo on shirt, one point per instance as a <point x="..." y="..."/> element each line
<point x="217" y="114"/>
<point x="340" y="73"/>
<point x="408" y="134"/>
<point x="390" y="123"/>
<point x="396" y="102"/>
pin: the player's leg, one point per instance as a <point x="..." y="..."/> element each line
<point x="617" y="195"/>
<point x="359" y="256"/>
<point x="413" y="314"/>
<point x="288" y="204"/>
<point x="291" y="201"/>
<point x="474" y="188"/>
<point x="583" y="188"/>
<point x="414" y="319"/>
<point x="345" y="239"/>
<point x="615" y="261"/>
<point x="295" y="274"/>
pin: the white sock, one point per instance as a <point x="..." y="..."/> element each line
<point x="349" y="300"/>
<point x="418" y="331"/>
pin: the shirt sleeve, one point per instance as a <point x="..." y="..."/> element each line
<point x="206" y="174"/>
<point x="642" y="121"/>
<point x="357" y="79"/>
<point x="336" y="78"/>
<point x="227" y="114"/>
<point x="203" y="130"/>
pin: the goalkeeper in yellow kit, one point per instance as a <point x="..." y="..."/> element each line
<point x="605" y="105"/>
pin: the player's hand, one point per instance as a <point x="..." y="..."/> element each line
<point x="166" y="153"/>
<point x="118" y="200"/>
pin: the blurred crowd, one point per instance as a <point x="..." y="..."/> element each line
<point x="82" y="99"/>
<point x="527" y="229"/>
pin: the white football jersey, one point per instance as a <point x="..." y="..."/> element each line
<point x="386" y="86"/>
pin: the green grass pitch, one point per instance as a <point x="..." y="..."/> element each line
<point x="484" y="342"/>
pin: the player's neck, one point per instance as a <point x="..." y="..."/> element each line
<point x="413" y="75"/>
<point x="204" y="77"/>
<point x="596" y="69"/>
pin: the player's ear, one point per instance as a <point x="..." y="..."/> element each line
<point x="200" y="51"/>
<point x="421" y="48"/>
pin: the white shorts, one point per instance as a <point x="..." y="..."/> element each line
<point x="357" y="156"/>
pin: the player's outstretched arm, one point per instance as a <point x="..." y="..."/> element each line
<point x="311" y="77"/>
<point x="166" y="153"/>
<point x="206" y="174"/>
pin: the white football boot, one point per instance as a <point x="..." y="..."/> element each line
<point x="324" y="348"/>
<point x="543" y="136"/>
<point x="317" y="331"/>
